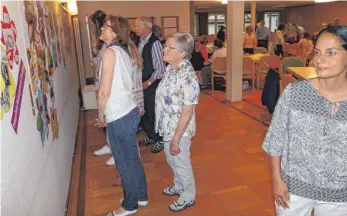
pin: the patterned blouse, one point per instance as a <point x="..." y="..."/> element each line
<point x="178" y="87"/>
<point x="312" y="143"/>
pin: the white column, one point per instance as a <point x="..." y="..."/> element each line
<point x="253" y="14"/>
<point x="192" y="16"/>
<point x="235" y="20"/>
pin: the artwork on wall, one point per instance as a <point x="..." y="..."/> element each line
<point x="9" y="59"/>
<point x="7" y="84"/>
<point x="47" y="46"/>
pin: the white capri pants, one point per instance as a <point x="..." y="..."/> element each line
<point x="300" y="206"/>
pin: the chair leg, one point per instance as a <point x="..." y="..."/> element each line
<point x="212" y="82"/>
<point x="253" y="82"/>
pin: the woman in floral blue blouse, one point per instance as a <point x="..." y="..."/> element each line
<point x="176" y="97"/>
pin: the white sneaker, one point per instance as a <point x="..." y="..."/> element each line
<point x="110" y="162"/>
<point x="103" y="151"/>
<point x="126" y="213"/>
<point x="140" y="203"/>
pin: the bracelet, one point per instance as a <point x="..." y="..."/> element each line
<point x="101" y="116"/>
<point x="149" y="83"/>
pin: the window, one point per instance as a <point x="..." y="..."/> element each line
<point x="196" y="24"/>
<point x="272" y="20"/>
<point x="247" y="19"/>
<point x="214" y="21"/>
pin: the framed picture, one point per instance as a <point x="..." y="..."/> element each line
<point x="170" y="24"/>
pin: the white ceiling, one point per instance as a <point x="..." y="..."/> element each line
<point x="261" y="5"/>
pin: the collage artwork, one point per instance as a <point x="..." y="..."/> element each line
<point x="47" y="47"/>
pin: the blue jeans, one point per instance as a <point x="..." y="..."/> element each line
<point x="122" y="138"/>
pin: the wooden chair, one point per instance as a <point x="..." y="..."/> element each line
<point x="285" y="80"/>
<point x="248" y="70"/>
<point x="266" y="62"/>
<point x="292" y="62"/>
<point x="219" y="69"/>
<point x="261" y="50"/>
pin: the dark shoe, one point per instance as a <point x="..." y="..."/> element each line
<point x="158" y="146"/>
<point x="144" y="142"/>
<point x="140" y="130"/>
<point x="177" y="207"/>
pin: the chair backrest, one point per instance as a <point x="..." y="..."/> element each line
<point x="286" y="79"/>
<point x="248" y="66"/>
<point x="272" y="61"/>
<point x="291" y="62"/>
<point x="219" y="64"/>
<point x="286" y="47"/>
<point x="261" y="50"/>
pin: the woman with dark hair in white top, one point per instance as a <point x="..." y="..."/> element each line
<point x="118" y="109"/>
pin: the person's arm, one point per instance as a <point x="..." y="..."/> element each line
<point x="276" y="139"/>
<point x="108" y="63"/>
<point x="158" y="64"/>
<point x="191" y="91"/>
<point x="255" y="41"/>
<point x="138" y="91"/>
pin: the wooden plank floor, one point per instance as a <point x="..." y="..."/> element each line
<point x="231" y="170"/>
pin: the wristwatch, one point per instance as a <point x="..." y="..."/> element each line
<point x="149" y="83"/>
<point x="101" y="116"/>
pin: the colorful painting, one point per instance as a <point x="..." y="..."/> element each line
<point x="43" y="118"/>
<point x="45" y="50"/>
<point x="9" y="59"/>
<point x="8" y="38"/>
<point x="7" y="84"/>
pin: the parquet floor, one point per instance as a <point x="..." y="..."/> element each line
<point x="231" y="170"/>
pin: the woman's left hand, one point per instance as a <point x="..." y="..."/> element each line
<point x="174" y="147"/>
<point x="100" y="122"/>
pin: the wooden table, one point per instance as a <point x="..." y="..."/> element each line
<point x="256" y="57"/>
<point x="303" y="73"/>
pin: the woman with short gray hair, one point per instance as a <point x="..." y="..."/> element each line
<point x="176" y="98"/>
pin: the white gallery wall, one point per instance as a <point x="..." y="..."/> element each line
<point x="36" y="155"/>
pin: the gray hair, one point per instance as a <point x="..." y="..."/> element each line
<point x="146" y="22"/>
<point x="184" y="42"/>
<point x="157" y="31"/>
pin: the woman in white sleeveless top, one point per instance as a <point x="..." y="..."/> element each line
<point x="118" y="109"/>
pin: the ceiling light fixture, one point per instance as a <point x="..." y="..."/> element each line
<point x="224" y="1"/>
<point x="321" y="1"/>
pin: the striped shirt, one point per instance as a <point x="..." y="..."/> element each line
<point x="157" y="56"/>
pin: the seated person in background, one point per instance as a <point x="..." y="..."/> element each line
<point x="306" y="44"/>
<point x="197" y="58"/>
<point x="220" y="51"/>
<point x="249" y="40"/>
<point x="203" y="50"/>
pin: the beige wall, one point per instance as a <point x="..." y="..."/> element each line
<point x="311" y="17"/>
<point x="132" y="9"/>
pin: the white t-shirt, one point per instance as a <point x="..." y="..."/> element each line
<point x="221" y="52"/>
<point x="121" y="100"/>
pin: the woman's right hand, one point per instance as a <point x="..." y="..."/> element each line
<point x="280" y="192"/>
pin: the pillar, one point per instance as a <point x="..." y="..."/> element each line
<point x="253" y="5"/>
<point x="235" y="20"/>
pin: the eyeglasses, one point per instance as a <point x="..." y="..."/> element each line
<point x="169" y="47"/>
